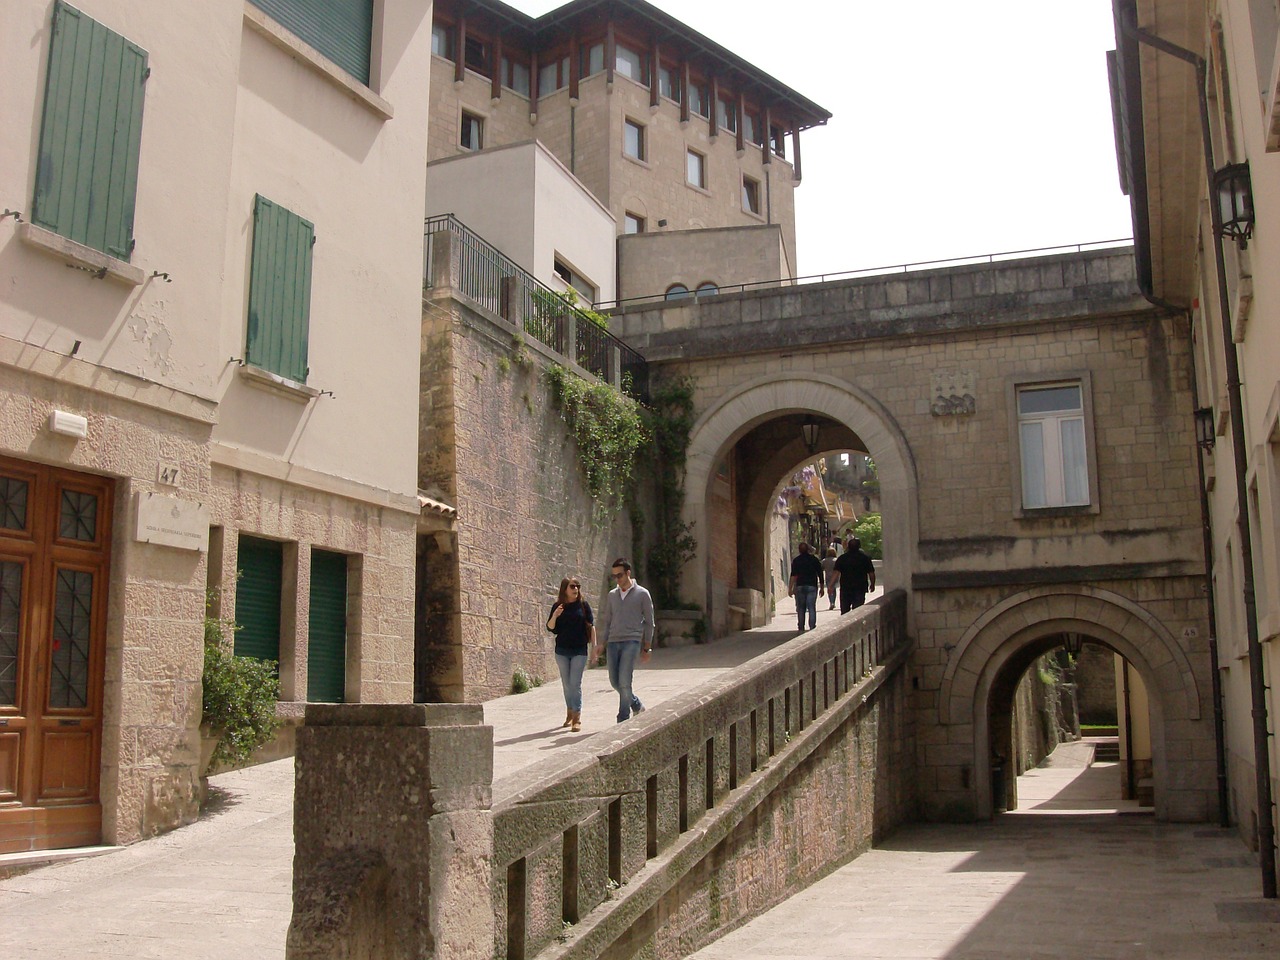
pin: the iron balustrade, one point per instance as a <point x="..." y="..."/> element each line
<point x="497" y="283"/>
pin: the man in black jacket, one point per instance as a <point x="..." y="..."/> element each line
<point x="806" y="583"/>
<point x="855" y="574"/>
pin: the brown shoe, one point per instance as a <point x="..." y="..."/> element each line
<point x="568" y="718"/>
<point x="577" y="722"/>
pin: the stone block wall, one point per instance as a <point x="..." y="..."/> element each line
<point x="495" y="442"/>
<point x="155" y="595"/>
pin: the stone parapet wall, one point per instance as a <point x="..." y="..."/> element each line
<point x="714" y="806"/>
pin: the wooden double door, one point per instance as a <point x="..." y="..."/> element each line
<point x="55" y="531"/>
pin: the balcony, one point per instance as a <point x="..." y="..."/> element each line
<point x="457" y="258"/>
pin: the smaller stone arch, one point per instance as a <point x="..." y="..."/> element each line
<point x="1181" y="741"/>
<point x="1092" y="609"/>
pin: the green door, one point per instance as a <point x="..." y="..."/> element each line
<point x="327" y="646"/>
<point x="258" y="590"/>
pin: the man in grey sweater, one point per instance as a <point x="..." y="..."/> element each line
<point x="626" y="633"/>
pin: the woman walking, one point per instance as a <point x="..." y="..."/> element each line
<point x="573" y="624"/>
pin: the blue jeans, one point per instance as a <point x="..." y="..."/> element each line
<point x="807" y="599"/>
<point x="622" y="656"/>
<point x="571" y="668"/>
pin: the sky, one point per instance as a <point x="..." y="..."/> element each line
<point x="958" y="129"/>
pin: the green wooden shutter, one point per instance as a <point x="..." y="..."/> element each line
<point x="279" y="291"/>
<point x="327" y="646"/>
<point x="258" y="591"/>
<point x="340" y="29"/>
<point x="90" y="134"/>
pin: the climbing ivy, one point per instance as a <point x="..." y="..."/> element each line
<point x="670" y="419"/>
<point x="609" y="432"/>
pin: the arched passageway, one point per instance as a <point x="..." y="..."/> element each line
<point x="975" y="698"/>
<point x="748" y="442"/>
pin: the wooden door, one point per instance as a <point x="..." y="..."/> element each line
<point x="55" y="528"/>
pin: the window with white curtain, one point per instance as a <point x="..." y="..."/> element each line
<point x="1051" y="437"/>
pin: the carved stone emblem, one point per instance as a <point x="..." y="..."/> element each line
<point x="953" y="393"/>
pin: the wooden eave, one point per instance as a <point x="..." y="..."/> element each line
<point x="1168" y="164"/>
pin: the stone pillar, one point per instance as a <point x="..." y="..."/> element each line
<point x="512" y="301"/>
<point x="444" y="259"/>
<point x="393" y="835"/>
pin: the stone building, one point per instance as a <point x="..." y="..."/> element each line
<point x="1207" y="257"/>
<point x="208" y="376"/>
<point x="693" y="151"/>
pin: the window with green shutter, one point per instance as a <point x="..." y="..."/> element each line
<point x="90" y="134"/>
<point x="260" y="580"/>
<point x="342" y="30"/>
<point x="279" y="291"/>
<point x="327" y="633"/>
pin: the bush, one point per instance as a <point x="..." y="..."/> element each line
<point x="522" y="681"/>
<point x="240" y="695"/>
<point x="869" y="530"/>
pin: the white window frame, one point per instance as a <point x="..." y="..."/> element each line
<point x="642" y="154"/>
<point x="628" y="218"/>
<point x="1053" y="424"/>
<point x="690" y="153"/>
<point x="465" y="118"/>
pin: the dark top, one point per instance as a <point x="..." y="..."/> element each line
<point x="854" y="568"/>
<point x="807" y="569"/>
<point x="573" y="628"/>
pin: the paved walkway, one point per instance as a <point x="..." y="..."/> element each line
<point x="221" y="887"/>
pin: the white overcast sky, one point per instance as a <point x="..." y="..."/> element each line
<point x="958" y="128"/>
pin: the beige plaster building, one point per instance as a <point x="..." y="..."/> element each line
<point x="1196" y="254"/>
<point x="211" y="265"/>
<point x="672" y="133"/>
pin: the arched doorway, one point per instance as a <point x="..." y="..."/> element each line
<point x="760" y="422"/>
<point x="997" y="649"/>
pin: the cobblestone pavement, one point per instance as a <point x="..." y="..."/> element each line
<point x="1025" y="887"/>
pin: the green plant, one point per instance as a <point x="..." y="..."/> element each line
<point x="609" y="432"/>
<point x="504" y="366"/>
<point x="670" y="420"/>
<point x="239" y="695"/>
<point x="522" y="681"/>
<point x="699" y="630"/>
<point x="870" y="531"/>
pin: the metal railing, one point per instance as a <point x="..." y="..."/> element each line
<point x="875" y="271"/>
<point x="497" y="283"/>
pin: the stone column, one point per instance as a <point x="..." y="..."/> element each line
<point x="393" y="835"/>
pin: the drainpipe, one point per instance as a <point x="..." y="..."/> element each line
<point x="1257" y="685"/>
<point x="1130" y="783"/>
<point x="1206" y="528"/>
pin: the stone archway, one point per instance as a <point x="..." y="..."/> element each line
<point x="720" y="426"/>
<point x="1181" y="736"/>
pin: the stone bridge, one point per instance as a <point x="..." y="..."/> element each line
<point x="941" y="377"/>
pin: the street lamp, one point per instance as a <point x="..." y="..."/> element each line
<point x="1205" y="434"/>
<point x="1234" y="196"/>
<point x="1073" y="642"/>
<point x="809" y="430"/>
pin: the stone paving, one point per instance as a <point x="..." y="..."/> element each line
<point x="1025" y="886"/>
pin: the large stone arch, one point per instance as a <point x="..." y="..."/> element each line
<point x="738" y="411"/>
<point x="1181" y="737"/>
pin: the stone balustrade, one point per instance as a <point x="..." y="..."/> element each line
<point x="706" y="810"/>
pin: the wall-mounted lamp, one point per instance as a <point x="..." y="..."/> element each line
<point x="1205" y="434"/>
<point x="809" y="430"/>
<point x="1233" y="191"/>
